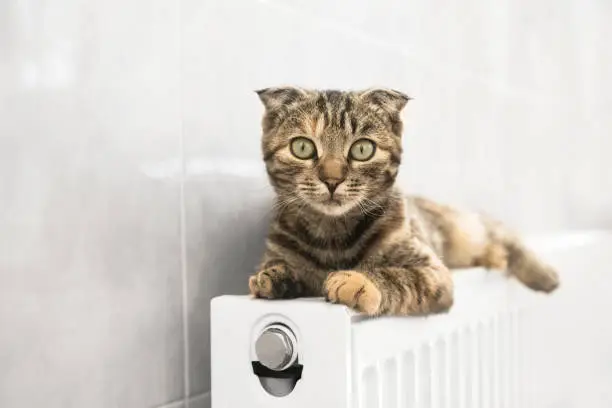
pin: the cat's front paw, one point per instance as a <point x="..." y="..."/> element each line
<point x="260" y="285"/>
<point x="355" y="290"/>
<point x="274" y="283"/>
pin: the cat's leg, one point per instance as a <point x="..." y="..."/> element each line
<point x="520" y="261"/>
<point x="407" y="281"/>
<point x="275" y="280"/>
<point x="500" y="249"/>
<point x="471" y="239"/>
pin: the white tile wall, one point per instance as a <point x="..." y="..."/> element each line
<point x="131" y="188"/>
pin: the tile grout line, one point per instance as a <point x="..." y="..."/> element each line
<point x="172" y="404"/>
<point x="205" y="396"/>
<point x="183" y="218"/>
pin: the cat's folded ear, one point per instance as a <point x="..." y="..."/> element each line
<point x="273" y="98"/>
<point x="389" y="100"/>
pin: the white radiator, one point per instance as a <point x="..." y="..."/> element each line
<point x="500" y="346"/>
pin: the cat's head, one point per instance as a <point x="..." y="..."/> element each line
<point x="331" y="150"/>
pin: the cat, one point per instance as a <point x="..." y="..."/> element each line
<point x="341" y="227"/>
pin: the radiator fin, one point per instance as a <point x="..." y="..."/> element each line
<point x="456" y="373"/>
<point x="424" y="380"/>
<point x="408" y="380"/>
<point x="476" y="366"/>
<point x="390" y="383"/>
<point x="370" y="386"/>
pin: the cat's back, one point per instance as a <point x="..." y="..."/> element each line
<point x="433" y="217"/>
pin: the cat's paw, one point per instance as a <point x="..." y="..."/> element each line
<point x="260" y="285"/>
<point x="275" y="282"/>
<point x="353" y="289"/>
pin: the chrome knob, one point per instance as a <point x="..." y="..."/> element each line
<point x="276" y="347"/>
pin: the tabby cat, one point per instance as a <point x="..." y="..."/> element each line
<point x="343" y="230"/>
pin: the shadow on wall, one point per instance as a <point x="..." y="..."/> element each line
<point x="227" y="217"/>
<point x="228" y="226"/>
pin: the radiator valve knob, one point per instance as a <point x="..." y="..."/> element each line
<point x="276" y="347"/>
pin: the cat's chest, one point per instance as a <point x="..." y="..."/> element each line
<point x="342" y="244"/>
<point x="339" y="251"/>
<point x="333" y="260"/>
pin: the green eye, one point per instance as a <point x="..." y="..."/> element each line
<point x="303" y="148"/>
<point x="362" y="150"/>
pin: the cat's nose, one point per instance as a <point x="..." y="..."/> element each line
<point x="332" y="172"/>
<point x="332" y="184"/>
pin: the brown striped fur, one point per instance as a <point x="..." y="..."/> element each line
<point x="362" y="243"/>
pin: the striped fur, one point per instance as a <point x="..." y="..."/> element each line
<point x="363" y="243"/>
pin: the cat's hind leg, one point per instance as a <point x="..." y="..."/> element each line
<point x="476" y="240"/>
<point x="465" y="239"/>
<point x="524" y="264"/>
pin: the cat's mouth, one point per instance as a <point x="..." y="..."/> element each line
<point x="332" y="201"/>
<point x="333" y="206"/>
